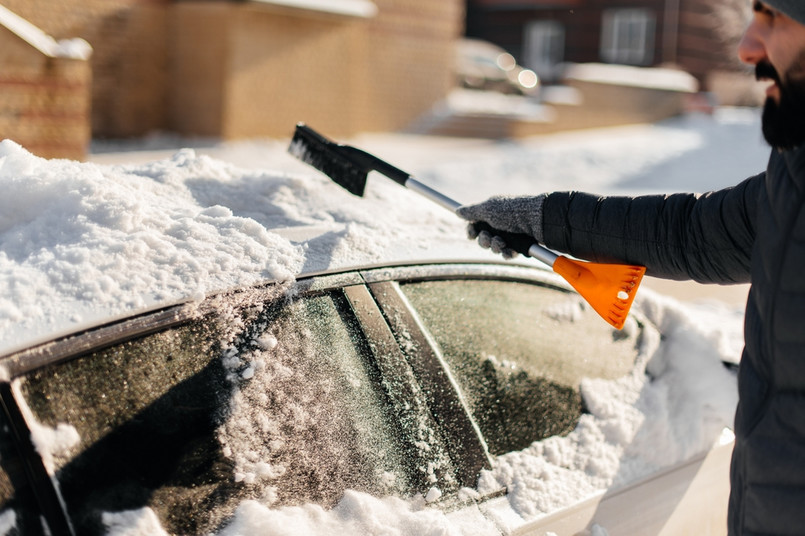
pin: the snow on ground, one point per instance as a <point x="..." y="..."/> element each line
<point x="145" y="223"/>
<point x="689" y="153"/>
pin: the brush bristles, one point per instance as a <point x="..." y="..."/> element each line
<point x="328" y="160"/>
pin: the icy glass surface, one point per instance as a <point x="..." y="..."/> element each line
<point x="309" y="418"/>
<point x="518" y="352"/>
<point x="275" y="403"/>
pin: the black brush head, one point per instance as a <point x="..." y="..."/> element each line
<point x="339" y="162"/>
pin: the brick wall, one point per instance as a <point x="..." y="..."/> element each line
<point x="44" y="101"/>
<point x="129" y="61"/>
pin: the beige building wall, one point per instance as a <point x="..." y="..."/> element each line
<point x="410" y="59"/>
<point x="236" y="69"/>
<point x="276" y="66"/>
<point x="198" y="63"/>
<point x="289" y="67"/>
<point x="244" y="70"/>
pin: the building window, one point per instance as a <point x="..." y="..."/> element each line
<point x="544" y="48"/>
<point x="628" y="36"/>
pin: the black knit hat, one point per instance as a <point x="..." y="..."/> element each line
<point x="793" y="8"/>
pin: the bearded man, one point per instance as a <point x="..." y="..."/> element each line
<point x="753" y="232"/>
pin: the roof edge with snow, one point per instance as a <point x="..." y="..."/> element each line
<point x="627" y="75"/>
<point x="352" y="8"/>
<point x="34" y="36"/>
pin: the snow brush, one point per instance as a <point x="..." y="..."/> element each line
<point x="609" y="288"/>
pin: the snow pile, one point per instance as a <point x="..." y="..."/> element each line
<point x="670" y="408"/>
<point x="142" y="522"/>
<point x="356" y="513"/>
<point x="466" y="101"/>
<point x="82" y="243"/>
<point x="656" y="78"/>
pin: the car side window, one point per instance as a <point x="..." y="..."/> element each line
<point x="279" y="403"/>
<point x="518" y="352"/>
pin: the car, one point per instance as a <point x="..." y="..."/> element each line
<point x="426" y="389"/>
<point x="485" y="66"/>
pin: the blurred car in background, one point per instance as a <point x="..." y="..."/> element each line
<point x="486" y="66"/>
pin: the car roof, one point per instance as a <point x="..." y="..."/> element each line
<point x="93" y="243"/>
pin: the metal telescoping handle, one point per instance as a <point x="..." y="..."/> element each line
<point x="542" y="254"/>
<point x="535" y="250"/>
<point x="437" y="197"/>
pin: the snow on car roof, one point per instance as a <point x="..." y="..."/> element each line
<point x="82" y="243"/>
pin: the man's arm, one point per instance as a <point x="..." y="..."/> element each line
<point x="707" y="238"/>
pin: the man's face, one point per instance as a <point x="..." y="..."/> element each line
<point x="784" y="113"/>
<point x="775" y="44"/>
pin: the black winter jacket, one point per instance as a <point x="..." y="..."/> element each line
<point x="753" y="232"/>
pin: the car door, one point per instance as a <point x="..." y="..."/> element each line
<point x="276" y="394"/>
<point x="517" y="345"/>
<point x="513" y="341"/>
<point x="396" y="381"/>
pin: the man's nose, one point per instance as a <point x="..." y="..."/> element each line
<point x="751" y="49"/>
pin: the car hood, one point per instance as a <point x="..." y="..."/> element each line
<point x="84" y="244"/>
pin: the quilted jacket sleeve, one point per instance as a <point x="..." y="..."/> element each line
<point x="707" y="238"/>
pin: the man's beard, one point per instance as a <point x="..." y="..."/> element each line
<point x="784" y="121"/>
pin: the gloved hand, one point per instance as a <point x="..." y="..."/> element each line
<point x="506" y="225"/>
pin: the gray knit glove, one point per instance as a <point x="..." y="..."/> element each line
<point x="506" y="225"/>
